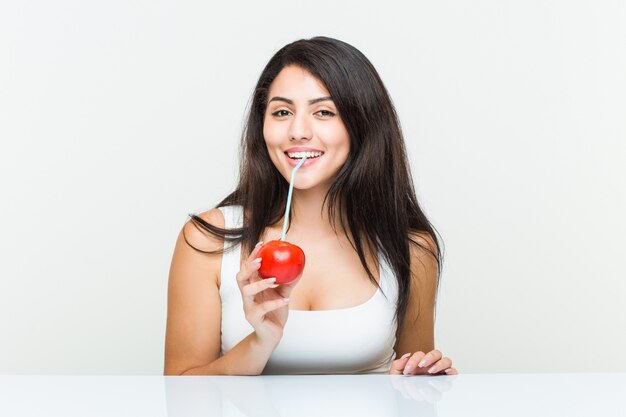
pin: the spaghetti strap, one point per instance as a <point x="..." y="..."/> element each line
<point x="388" y="283"/>
<point x="231" y="259"/>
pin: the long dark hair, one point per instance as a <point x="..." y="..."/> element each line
<point x="373" y="193"/>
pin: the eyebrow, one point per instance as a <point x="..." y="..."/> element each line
<point x="286" y="100"/>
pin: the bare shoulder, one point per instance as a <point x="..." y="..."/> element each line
<point x="423" y="239"/>
<point x="424" y="271"/>
<point x="424" y="262"/>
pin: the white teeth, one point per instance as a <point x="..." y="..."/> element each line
<point x="300" y="155"/>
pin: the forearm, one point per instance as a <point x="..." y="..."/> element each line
<point x="248" y="357"/>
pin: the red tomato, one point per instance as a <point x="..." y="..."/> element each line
<point x="282" y="260"/>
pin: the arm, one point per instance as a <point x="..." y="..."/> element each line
<point x="418" y="331"/>
<point x="192" y="340"/>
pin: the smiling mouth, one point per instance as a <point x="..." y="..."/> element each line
<point x="300" y="155"/>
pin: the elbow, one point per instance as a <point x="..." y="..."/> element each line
<point x="172" y="371"/>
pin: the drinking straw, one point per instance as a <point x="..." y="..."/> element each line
<point x="293" y="174"/>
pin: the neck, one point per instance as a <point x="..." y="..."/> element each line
<point x="310" y="214"/>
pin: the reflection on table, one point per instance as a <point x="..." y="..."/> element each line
<point x="314" y="395"/>
<point x="483" y="395"/>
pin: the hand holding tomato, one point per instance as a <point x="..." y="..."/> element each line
<point x="265" y="304"/>
<point x="282" y="260"/>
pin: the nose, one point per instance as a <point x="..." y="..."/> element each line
<point x="300" y="128"/>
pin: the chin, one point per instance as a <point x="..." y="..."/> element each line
<point x="311" y="185"/>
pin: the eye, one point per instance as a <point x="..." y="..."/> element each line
<point x="326" y="113"/>
<point x="280" y="113"/>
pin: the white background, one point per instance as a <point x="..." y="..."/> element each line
<point x="118" y="118"/>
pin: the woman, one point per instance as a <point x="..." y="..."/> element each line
<point x="369" y="286"/>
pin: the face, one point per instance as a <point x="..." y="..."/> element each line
<point x="301" y="117"/>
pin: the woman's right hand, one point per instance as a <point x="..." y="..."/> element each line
<point x="265" y="304"/>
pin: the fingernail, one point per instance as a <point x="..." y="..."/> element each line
<point x="422" y="363"/>
<point x="448" y="370"/>
<point x="432" y="370"/>
<point x="270" y="280"/>
<point x="257" y="261"/>
<point x="258" y="244"/>
<point x="285" y="300"/>
<point x="407" y="370"/>
<point x="406" y="355"/>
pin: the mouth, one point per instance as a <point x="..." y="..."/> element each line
<point x="296" y="156"/>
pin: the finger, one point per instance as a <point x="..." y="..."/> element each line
<point x="260" y="310"/>
<point x="397" y="366"/>
<point x="452" y="371"/>
<point x="411" y="365"/>
<point x="254" y="257"/>
<point x="252" y="260"/>
<point x="255" y="251"/>
<point x="440" y="365"/>
<point x="431" y="358"/>
<point x="248" y="270"/>
<point x="250" y="290"/>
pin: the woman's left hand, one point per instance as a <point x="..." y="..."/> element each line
<point x="420" y="363"/>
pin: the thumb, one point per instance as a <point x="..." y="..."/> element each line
<point x="397" y="366"/>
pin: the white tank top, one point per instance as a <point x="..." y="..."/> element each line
<point x="351" y="340"/>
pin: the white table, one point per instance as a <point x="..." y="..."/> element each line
<point x="481" y="395"/>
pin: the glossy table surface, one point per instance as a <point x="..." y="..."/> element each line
<point x="317" y="395"/>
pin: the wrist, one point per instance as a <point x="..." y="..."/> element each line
<point x="265" y="342"/>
